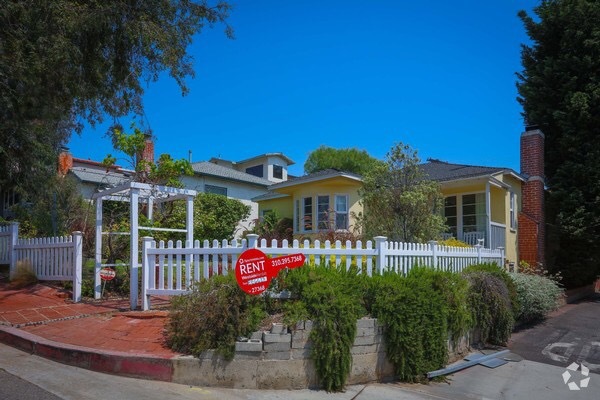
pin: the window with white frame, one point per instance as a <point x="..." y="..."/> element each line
<point x="450" y="212"/>
<point x="341" y="212"/>
<point x="513" y="210"/>
<point x="277" y="172"/>
<point x="473" y="212"/>
<point x="322" y="212"/>
<point x="307" y="214"/>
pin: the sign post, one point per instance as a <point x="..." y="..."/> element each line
<point x="254" y="270"/>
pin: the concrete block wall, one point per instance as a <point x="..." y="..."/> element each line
<point x="281" y="359"/>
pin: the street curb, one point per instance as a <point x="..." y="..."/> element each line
<point x="110" y="362"/>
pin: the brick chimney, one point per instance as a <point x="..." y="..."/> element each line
<point x="147" y="154"/>
<point x="65" y="161"/>
<point x="532" y="223"/>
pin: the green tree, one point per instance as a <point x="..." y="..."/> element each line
<point x="215" y="217"/>
<point x="559" y="89"/>
<point x="349" y="160"/>
<point x="398" y="202"/>
<point x="63" y="62"/>
<point x="166" y="170"/>
<point x="58" y="211"/>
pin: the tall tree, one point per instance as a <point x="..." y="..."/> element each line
<point x="399" y="202"/>
<point x="559" y="90"/>
<point x="349" y="160"/>
<point x="63" y="62"/>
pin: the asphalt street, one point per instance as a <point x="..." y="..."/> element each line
<point x="14" y="388"/>
<point x="572" y="334"/>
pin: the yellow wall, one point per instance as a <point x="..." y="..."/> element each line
<point x="283" y="206"/>
<point x="330" y="187"/>
<point x="500" y="206"/>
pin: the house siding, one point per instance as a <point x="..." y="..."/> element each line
<point x="239" y="191"/>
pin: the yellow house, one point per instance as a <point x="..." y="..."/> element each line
<point x="322" y="201"/>
<point x="480" y="203"/>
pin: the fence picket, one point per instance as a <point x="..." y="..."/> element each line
<point x="220" y="258"/>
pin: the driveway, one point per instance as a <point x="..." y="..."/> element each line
<point x="571" y="334"/>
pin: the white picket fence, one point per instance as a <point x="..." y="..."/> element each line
<point x="50" y="258"/>
<point x="8" y="238"/>
<point x="172" y="269"/>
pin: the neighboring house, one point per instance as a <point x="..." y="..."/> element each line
<point x="243" y="180"/>
<point x="92" y="176"/>
<point x="322" y="201"/>
<point x="498" y="206"/>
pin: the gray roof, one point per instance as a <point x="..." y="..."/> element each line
<point x="318" y="176"/>
<point x="101" y="177"/>
<point x="288" y="160"/>
<point x="208" y="168"/>
<point x="270" y="196"/>
<point x="441" y="171"/>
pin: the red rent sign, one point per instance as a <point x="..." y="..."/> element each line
<point x="107" y="274"/>
<point x="254" y="270"/>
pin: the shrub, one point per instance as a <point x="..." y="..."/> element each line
<point x="23" y="276"/>
<point x="454" y="288"/>
<point x="271" y="226"/>
<point x="213" y="316"/>
<point x="538" y="296"/>
<point x="495" y="270"/>
<point x="489" y="300"/>
<point x="453" y="242"/>
<point x="415" y="317"/>
<point x="328" y="297"/>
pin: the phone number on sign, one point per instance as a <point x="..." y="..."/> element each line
<point x="283" y="261"/>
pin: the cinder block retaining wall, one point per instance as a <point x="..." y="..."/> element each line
<point x="278" y="359"/>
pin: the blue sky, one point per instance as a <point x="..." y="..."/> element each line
<point x="438" y="75"/>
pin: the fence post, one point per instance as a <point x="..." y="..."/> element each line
<point x="433" y="246"/>
<point x="380" y="253"/>
<point x="252" y="240"/>
<point x="478" y="246"/>
<point x="14" y="237"/>
<point x="501" y="256"/>
<point x="77" y="265"/>
<point x="146" y="244"/>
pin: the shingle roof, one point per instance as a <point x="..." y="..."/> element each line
<point x="101" y="177"/>
<point x="437" y="170"/>
<point x="317" y="176"/>
<point x="270" y="196"/>
<point x="208" y="168"/>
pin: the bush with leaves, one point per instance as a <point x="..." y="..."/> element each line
<point x="538" y="296"/>
<point x="328" y="297"/>
<point x="215" y="217"/>
<point x="500" y="273"/>
<point x="455" y="290"/>
<point x="490" y="302"/>
<point x="415" y="319"/>
<point x="213" y="316"/>
<point x="272" y="226"/>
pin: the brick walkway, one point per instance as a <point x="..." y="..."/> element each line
<point x="48" y="312"/>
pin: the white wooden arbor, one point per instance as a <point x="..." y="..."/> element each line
<point x="134" y="193"/>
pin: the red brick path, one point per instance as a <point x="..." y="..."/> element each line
<point x="104" y="325"/>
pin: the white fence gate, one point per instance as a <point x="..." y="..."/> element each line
<point x="50" y="258"/>
<point x="171" y="270"/>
